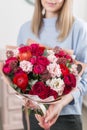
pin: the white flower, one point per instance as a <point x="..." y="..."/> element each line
<point x="54" y="70"/>
<point x="56" y="84"/>
<point x="26" y="66"/>
<point x="50" y="52"/>
<point x="52" y="58"/>
<point x="73" y="69"/>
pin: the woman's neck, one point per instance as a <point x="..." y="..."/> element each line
<point x="51" y="15"/>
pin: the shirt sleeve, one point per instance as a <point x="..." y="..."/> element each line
<point x="80" y="47"/>
<point x="19" y="38"/>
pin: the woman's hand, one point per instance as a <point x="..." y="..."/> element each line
<point x="51" y="116"/>
<point x="30" y="104"/>
<point x="53" y="112"/>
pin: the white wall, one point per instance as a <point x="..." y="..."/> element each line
<point x="13" y="13"/>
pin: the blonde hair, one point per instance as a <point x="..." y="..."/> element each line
<point x="64" y="22"/>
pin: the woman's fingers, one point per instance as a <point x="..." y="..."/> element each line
<point x="53" y="120"/>
<point x="42" y="122"/>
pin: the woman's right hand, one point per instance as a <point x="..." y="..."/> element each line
<point x="30" y="104"/>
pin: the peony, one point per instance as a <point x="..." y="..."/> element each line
<point x="21" y="80"/>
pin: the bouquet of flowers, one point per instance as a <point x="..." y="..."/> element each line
<point x="39" y="73"/>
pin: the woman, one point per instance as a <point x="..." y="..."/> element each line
<point x="53" y="24"/>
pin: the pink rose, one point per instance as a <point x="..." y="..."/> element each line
<point x="7" y="69"/>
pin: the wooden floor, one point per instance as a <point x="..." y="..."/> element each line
<point x="84" y="117"/>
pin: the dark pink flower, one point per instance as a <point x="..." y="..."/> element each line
<point x="7" y="69"/>
<point x="38" y="69"/>
<point x="24" y="49"/>
<point x="33" y="60"/>
<point x="11" y="59"/>
<point x="42" y="60"/>
<point x="70" y="80"/>
<point x="36" y="50"/>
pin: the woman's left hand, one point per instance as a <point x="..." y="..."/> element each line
<point x="53" y="113"/>
<point x="51" y="116"/>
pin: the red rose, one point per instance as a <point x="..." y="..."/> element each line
<point x="38" y="69"/>
<point x="67" y="89"/>
<point x="43" y="91"/>
<point x="70" y="80"/>
<point x="42" y="60"/>
<point x="21" y="80"/>
<point x="11" y="59"/>
<point x="39" y="89"/>
<point x="36" y="50"/>
<point x="68" y="57"/>
<point x="33" y="60"/>
<point x="41" y="50"/>
<point x="7" y="69"/>
<point x="64" y="54"/>
<point x="24" y="49"/>
<point x="53" y="93"/>
<point x="61" y="53"/>
<point x="64" y="69"/>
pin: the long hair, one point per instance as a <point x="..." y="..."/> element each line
<point x="64" y="22"/>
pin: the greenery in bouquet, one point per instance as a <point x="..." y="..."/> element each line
<point x="36" y="70"/>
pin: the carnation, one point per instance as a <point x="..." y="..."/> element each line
<point x="26" y="66"/>
<point x="73" y="69"/>
<point x="52" y="58"/>
<point x="54" y="69"/>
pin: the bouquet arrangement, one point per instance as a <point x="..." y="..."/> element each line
<point x="39" y="73"/>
